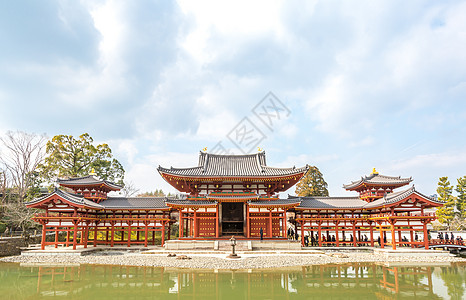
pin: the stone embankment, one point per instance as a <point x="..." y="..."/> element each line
<point x="12" y="245"/>
<point x="219" y="261"/>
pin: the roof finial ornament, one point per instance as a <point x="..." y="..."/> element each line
<point x="259" y="149"/>
<point x="204" y="149"/>
<point x="374" y="171"/>
<point x="92" y="172"/>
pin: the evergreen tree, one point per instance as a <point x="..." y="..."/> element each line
<point x="73" y="157"/>
<point x="461" y="198"/>
<point x="312" y="184"/>
<point x="445" y="213"/>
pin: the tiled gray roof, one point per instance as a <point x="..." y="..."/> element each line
<point x="379" y="180"/>
<point x="331" y="202"/>
<point x="88" y="180"/>
<point x="277" y="202"/>
<point x="214" y="165"/>
<point x="73" y="198"/>
<point x="191" y="202"/>
<point x="135" y="203"/>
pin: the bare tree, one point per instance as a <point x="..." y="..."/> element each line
<point x="130" y="189"/>
<point x="23" y="152"/>
<point x="19" y="215"/>
<point x="4" y="188"/>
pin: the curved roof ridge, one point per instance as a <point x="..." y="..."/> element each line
<point x="249" y="165"/>
<point x="378" y="179"/>
<point x="76" y="199"/>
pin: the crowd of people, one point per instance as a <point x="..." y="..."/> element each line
<point x="330" y="240"/>
<point x="449" y="238"/>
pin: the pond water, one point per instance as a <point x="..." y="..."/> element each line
<point x="333" y="281"/>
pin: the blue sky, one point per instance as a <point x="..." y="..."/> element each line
<point x="367" y="83"/>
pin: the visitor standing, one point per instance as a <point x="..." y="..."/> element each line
<point x="261" y="231"/>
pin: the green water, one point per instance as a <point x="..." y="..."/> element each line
<point x="344" y="281"/>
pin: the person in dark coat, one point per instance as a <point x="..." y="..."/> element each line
<point x="313" y="240"/>
<point x="306" y="241"/>
<point x="296" y="236"/>
<point x="261" y="231"/>
<point x="379" y="241"/>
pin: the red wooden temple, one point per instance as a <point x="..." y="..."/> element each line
<point x="232" y="195"/>
<point x="227" y="195"/>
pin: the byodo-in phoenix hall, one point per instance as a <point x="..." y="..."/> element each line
<point x="227" y="195"/>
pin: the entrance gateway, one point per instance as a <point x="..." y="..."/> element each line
<point x="237" y="195"/>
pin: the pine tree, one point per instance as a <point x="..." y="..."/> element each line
<point x="461" y="198"/>
<point x="445" y="213"/>
<point x="312" y="184"/>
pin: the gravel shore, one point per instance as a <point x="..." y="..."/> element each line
<point x="219" y="261"/>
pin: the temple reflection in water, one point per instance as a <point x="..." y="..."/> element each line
<point x="340" y="281"/>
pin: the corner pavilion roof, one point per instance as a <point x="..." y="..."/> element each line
<point x="89" y="180"/>
<point x="77" y="200"/>
<point x="375" y="179"/>
<point x="214" y="165"/>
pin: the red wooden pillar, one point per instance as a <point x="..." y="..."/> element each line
<point x="129" y="233"/>
<point x="95" y="234"/>
<point x="382" y="243"/>
<point x="270" y="224"/>
<point x="169" y="230"/>
<point x="56" y="237"/>
<point x="163" y="233"/>
<point x="217" y="225"/>
<point x="195" y="224"/>
<point x="371" y="232"/>
<point x="248" y="222"/>
<point x="302" y="232"/>
<point x="337" y="238"/>
<point x="354" y="233"/>
<point x="426" y="236"/>
<point x="112" y="238"/>
<point x="75" y="233"/>
<point x="146" y="233"/>
<point x="392" y="228"/>
<point x="86" y="234"/>
<point x="284" y="227"/>
<point x="44" y="232"/>
<point x="181" y="229"/>
<point x="320" y="232"/>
